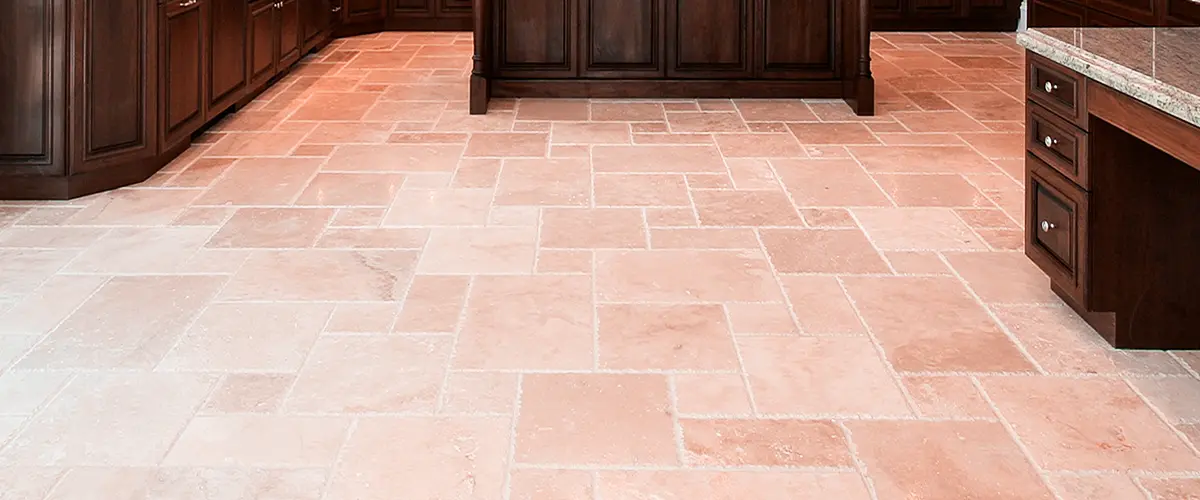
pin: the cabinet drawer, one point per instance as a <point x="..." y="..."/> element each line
<point x="1056" y="214"/>
<point x="1057" y="88"/>
<point x="1059" y="143"/>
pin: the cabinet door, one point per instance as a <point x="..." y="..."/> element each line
<point x="1055" y="14"/>
<point x="795" y="38"/>
<point x="32" y="107"/>
<point x="413" y="8"/>
<point x="622" y="38"/>
<point x="226" y="53"/>
<point x="263" y="46"/>
<point x="1139" y="11"/>
<point x="1099" y="19"/>
<point x="454" y="8"/>
<point x="358" y="11"/>
<point x="535" y="38"/>
<point x="315" y="19"/>
<point x="1183" y="13"/>
<point x="290" y="33"/>
<point x="181" y="28"/>
<point x="709" y="38"/>
<point x="937" y="8"/>
<point x="886" y="8"/>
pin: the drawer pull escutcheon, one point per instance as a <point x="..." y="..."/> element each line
<point x="1047" y="226"/>
<point x="1050" y="87"/>
<point x="1049" y="141"/>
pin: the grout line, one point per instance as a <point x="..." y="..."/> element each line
<point x="1012" y="435"/>
<point x="510" y="462"/>
<point x="859" y="465"/>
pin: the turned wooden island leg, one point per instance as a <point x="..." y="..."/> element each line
<point x="480" y="92"/>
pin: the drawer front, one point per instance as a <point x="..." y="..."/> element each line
<point x="1056" y="227"/>
<point x="1058" y="142"/>
<point x="1057" y="88"/>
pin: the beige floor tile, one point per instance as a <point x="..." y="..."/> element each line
<point x="728" y="485"/>
<point x="478" y="250"/>
<point x="528" y="322"/>
<point x="322" y="275"/>
<point x="249" y="337"/>
<point x="370" y="374"/>
<point x="694" y="337"/>
<point x="684" y="276"/>
<point x="764" y="443"/>
<point x="274" y="441"/>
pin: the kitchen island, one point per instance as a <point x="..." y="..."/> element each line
<point x="1113" y="178"/>
<point x="672" y="49"/>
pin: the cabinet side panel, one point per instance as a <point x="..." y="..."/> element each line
<point x="31" y="99"/>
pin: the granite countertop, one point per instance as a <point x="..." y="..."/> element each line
<point x="1158" y="66"/>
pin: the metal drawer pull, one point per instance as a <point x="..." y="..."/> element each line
<point x="1049" y="141"/>
<point x="1047" y="226"/>
<point x="1050" y="87"/>
<point x="337" y="9"/>
<point x="189" y="3"/>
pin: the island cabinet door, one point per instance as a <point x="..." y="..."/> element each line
<point x="226" y="52"/>
<point x="1182" y="13"/>
<point x="181" y="68"/>
<point x="795" y="39"/>
<point x="621" y="38"/>
<point x="361" y="11"/>
<point x="710" y="38"/>
<point x="413" y="8"/>
<point x="1139" y="11"/>
<point x="534" y="39"/>
<point x="33" y="106"/>
<point x="936" y="8"/>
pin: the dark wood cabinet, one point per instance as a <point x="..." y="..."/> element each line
<point x="796" y="38"/>
<point x="1138" y="11"/>
<point x="262" y="47"/>
<point x="727" y="25"/>
<point x="414" y="8"/>
<point x="1056" y="13"/>
<point x="430" y="15"/>
<point x="290" y="34"/>
<point x="535" y="38"/>
<point x="182" y="27"/>
<point x="1112" y="13"/>
<point x="945" y="15"/>
<point x="363" y="11"/>
<point x="1181" y="13"/>
<point x="33" y="44"/>
<point x="317" y="20"/>
<point x="622" y="38"/>
<point x="227" y="70"/>
<point x="457" y="8"/>
<point x="936" y="7"/>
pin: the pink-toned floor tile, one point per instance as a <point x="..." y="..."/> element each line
<point x="1089" y="487"/>
<point x="433" y="304"/>
<point x="842" y="251"/>
<point x="364" y="317"/>
<point x="590" y="133"/>
<point x="828" y="218"/>
<point x="592" y="228"/>
<point x="947" y="397"/>
<point x="272" y="228"/>
<point x="917" y="229"/>
<point x="689" y="122"/>
<point x="249" y="393"/>
<point x="945" y="460"/>
<point x="657" y="159"/>
<point x="703" y="237"/>
<point x="986" y="105"/>
<point x="783" y="110"/>
<point x="528" y="322"/>
<point x="552" y="109"/>
<point x="824" y="183"/>
<point x="1088" y="424"/>
<point x="256" y="144"/>
<point x="907" y="262"/>
<point x="261" y="181"/>
<point x="671" y="217"/>
<point x="507" y="144"/>
<point x="82" y="426"/>
<point x="998" y="145"/>
<point x="372" y="238"/>
<point x="439" y="207"/>
<point x="711" y="394"/>
<point x="351" y="190"/>
<point x="322" y="275"/>
<point x="39" y="312"/>
<point x="759" y="145"/>
<point x="599" y="419"/>
<point x="1061" y="342"/>
<point x="392" y="111"/>
<point x="750" y="173"/>
<point x="1174" y="397"/>
<point x="933" y="324"/>
<point x="190" y="483"/>
<point x="745" y="208"/>
<point x="249" y="337"/>
<point x="476" y="173"/>
<point x="627" y="111"/>
<point x="203" y="216"/>
<point x="350" y="133"/>
<point x="730" y="485"/>
<point x="939" y="121"/>
<point x="641" y="190"/>
<point x="371" y="374"/>
<point x="130" y="322"/>
<point x="921" y="159"/>
<point x="564" y="261"/>
<point x="940" y="190"/>
<point x="451" y="457"/>
<point x="480" y="392"/>
<point x="684" y="276"/>
<point x="665" y="337"/>
<point x="394" y="158"/>
<point x="544" y="182"/>
<point x="141" y="250"/>
<point x="430" y="138"/>
<point x="1003" y="277"/>
<point x="545" y="484"/>
<point x="491" y="250"/>
<point x="820" y="376"/>
<point x="336" y="105"/>
<point x="130" y="207"/>
<point x="514" y="216"/>
<point x="770" y="443"/>
<point x="771" y="317"/>
<point x="1171" y="488"/>
<point x="463" y="122"/>
<point x="711" y="181"/>
<point x="674" y="139"/>
<point x="259" y="440"/>
<point x="985" y="218"/>
<point x="832" y="133"/>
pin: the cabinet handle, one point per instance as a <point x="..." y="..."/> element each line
<point x="189" y="3"/>
<point x="337" y="9"/>
<point x="1049" y="141"/>
<point x="1047" y="226"/>
<point x="1050" y="87"/>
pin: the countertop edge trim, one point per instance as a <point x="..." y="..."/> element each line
<point x="1140" y="86"/>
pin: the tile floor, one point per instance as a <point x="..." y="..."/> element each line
<point x="353" y="290"/>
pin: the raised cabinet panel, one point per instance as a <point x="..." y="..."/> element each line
<point x="357" y="11"/>
<point x="263" y="37"/>
<point x="1100" y="19"/>
<point x="621" y="38"/>
<point x="536" y="38"/>
<point x="31" y="91"/>
<point x="977" y="6"/>
<point x="414" y="8"/>
<point x="1056" y="14"/>
<point x="290" y="33"/>
<point x="1138" y="11"/>
<point x="709" y="38"/>
<point x="226" y="52"/>
<point x="935" y="7"/>
<point x="115" y="111"/>
<point x="1183" y="12"/>
<point x="454" y="8"/>
<point x="795" y="38"/>
<point x="888" y="8"/>
<point x="181" y="28"/>
<point x="315" y="17"/>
